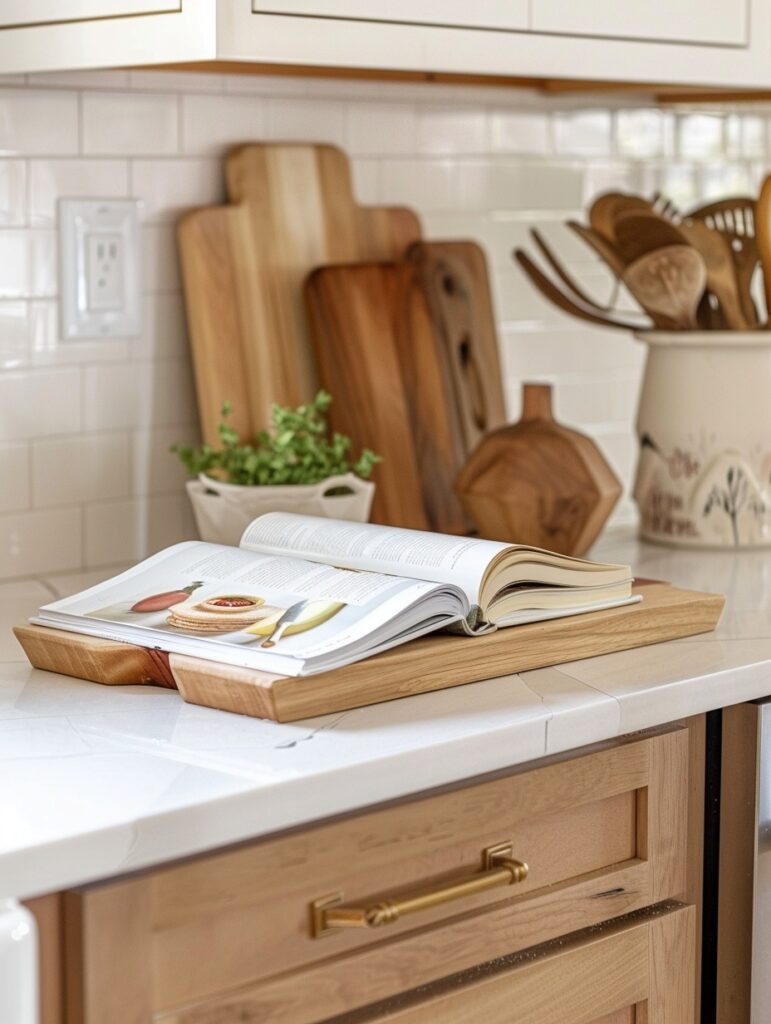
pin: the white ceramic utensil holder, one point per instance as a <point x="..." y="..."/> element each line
<point x="704" y="426"/>
<point x="223" y="511"/>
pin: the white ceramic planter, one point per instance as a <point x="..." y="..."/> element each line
<point x="223" y="511"/>
<point x="704" y="425"/>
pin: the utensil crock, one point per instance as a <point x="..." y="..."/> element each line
<point x="704" y="426"/>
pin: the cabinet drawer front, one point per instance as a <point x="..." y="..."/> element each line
<point x="645" y="965"/>
<point x="602" y="834"/>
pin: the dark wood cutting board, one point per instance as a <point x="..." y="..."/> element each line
<point x="455" y="280"/>
<point x="377" y="349"/>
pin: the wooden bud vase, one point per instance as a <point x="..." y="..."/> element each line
<point x="537" y="482"/>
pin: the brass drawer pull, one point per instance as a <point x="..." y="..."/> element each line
<point x="498" y="868"/>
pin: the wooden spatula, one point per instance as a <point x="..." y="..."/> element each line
<point x="715" y="250"/>
<point x="669" y="283"/>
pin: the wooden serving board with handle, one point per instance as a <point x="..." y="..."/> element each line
<point x="292" y="208"/>
<point x="434" y="662"/>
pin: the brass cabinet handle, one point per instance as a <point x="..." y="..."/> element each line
<point x="498" y="868"/>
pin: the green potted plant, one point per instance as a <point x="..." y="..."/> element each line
<point x="295" y="466"/>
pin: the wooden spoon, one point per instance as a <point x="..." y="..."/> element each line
<point x="567" y="279"/>
<point x="550" y="291"/>
<point x="669" y="283"/>
<point x="763" y="235"/>
<point x="715" y="249"/>
<point x="607" y="208"/>
<point x="640" y="233"/>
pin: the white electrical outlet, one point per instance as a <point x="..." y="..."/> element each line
<point x="99" y="268"/>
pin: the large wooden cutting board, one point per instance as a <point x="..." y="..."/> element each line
<point x="375" y="343"/>
<point x="243" y="266"/>
<point x="430" y="663"/>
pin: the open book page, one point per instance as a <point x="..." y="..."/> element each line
<point x="437" y="557"/>
<point x="223" y="603"/>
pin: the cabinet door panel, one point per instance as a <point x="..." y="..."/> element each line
<point x="710" y="22"/>
<point x="500" y="14"/>
<point x="14" y="13"/>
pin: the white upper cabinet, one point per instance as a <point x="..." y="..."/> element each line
<point x="708" y="43"/>
<point x="708" y="22"/>
<point x="502" y="14"/>
<point x="52" y="12"/>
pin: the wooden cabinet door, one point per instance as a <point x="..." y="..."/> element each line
<point x="706" y="22"/>
<point x="638" y="971"/>
<point x="15" y="13"/>
<point x="500" y="14"/>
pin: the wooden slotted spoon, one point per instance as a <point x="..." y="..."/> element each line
<point x="735" y="219"/>
<point x="669" y="283"/>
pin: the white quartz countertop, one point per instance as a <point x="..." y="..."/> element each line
<point x="98" y="781"/>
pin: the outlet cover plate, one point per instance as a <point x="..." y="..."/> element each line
<point x="99" y="269"/>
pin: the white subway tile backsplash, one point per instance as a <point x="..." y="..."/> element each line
<point x="306" y="120"/>
<point x="160" y="258"/>
<point x="213" y="126"/>
<point x="85" y="468"/>
<point x="85" y="427"/>
<point x="50" y="180"/>
<point x="156" y="469"/>
<point x="425" y="184"/>
<point x="516" y="185"/>
<point x="130" y="123"/>
<point x="39" y="403"/>
<point x="15" y="334"/>
<point x="34" y="543"/>
<point x="453" y="129"/>
<point x="140" y="394"/>
<point x="36" y="122"/>
<point x="13" y="193"/>
<point x="393" y="131"/>
<point x="15" y="492"/>
<point x="170" y="188"/>
<point x="584" y="133"/>
<point x="125" y="531"/>
<point x="513" y="131"/>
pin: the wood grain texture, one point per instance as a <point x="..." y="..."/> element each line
<point x="573" y="819"/>
<point x="47" y="911"/>
<point x="360" y="324"/>
<point x="430" y="663"/>
<point x="738" y="837"/>
<point x="455" y="281"/>
<point x="538" y="482"/>
<point x="244" y="265"/>
<point x="577" y="982"/>
<point x="108" y="969"/>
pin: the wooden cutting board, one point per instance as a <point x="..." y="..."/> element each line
<point x="243" y="266"/>
<point x="454" y="278"/>
<point x="376" y="346"/>
<point x="430" y="663"/>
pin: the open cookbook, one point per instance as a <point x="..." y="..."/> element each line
<point x="302" y="594"/>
